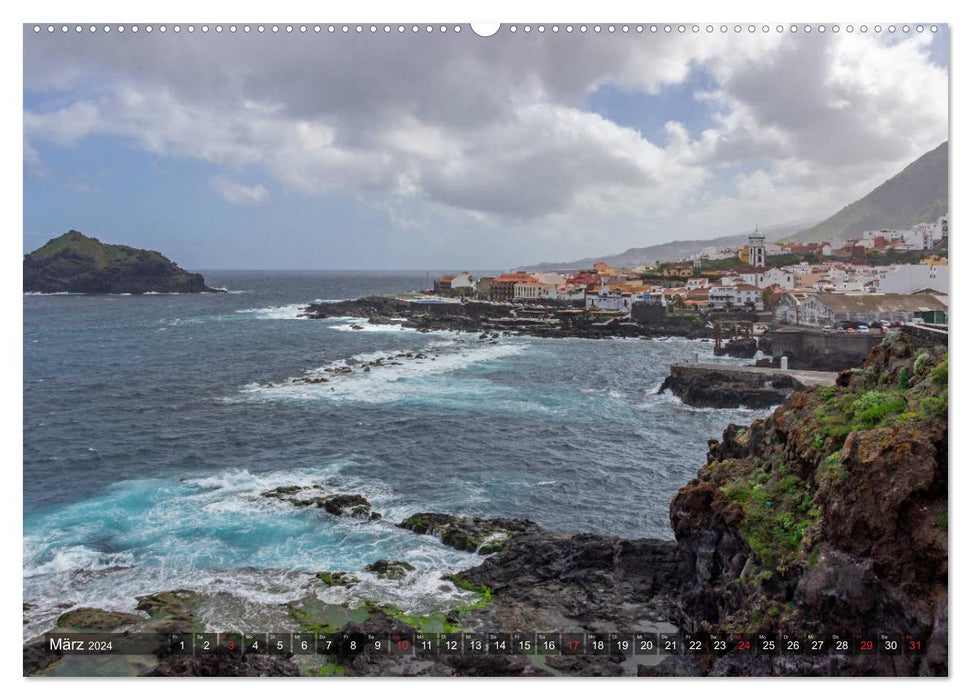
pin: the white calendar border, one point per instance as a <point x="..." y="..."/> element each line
<point x="452" y="12"/>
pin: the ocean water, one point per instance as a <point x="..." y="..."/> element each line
<point x="153" y="423"/>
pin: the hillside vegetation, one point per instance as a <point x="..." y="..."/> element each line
<point x="916" y="194"/>
<point x="832" y="511"/>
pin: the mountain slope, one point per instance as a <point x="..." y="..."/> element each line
<point x="917" y="193"/>
<point x="74" y="262"/>
<point x="673" y="250"/>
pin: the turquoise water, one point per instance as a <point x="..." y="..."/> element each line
<point x="152" y="424"/>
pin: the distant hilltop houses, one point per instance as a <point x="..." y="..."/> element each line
<point x="795" y="281"/>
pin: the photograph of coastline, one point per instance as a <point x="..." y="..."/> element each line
<point x="405" y="350"/>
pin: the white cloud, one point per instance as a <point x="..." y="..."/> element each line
<point x="498" y="132"/>
<point x="236" y="193"/>
<point x="33" y="164"/>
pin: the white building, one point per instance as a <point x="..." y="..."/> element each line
<point x="462" y="283"/>
<point x="923" y="236"/>
<point x="741" y="296"/>
<point x="732" y="280"/>
<point x="463" y="280"/>
<point x="567" y="292"/>
<point x="906" y="279"/>
<point x="932" y="232"/>
<point x="530" y="289"/>
<point x="788" y="310"/>
<point x="605" y="300"/>
<point x="760" y="277"/>
<point x="829" y="309"/>
<point x="842" y="278"/>
<point x="775" y="277"/>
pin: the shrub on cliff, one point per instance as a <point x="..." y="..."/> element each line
<point x="843" y="478"/>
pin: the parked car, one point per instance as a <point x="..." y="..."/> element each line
<point x="863" y="328"/>
<point x="841" y="330"/>
<point x="851" y="330"/>
<point x="827" y="329"/>
<point x="885" y="324"/>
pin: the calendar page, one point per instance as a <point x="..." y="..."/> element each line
<point x="540" y="349"/>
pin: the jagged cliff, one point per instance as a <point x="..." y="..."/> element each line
<point x="830" y="515"/>
<point x="77" y="263"/>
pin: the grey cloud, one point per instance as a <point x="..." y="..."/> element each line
<point x="487" y="126"/>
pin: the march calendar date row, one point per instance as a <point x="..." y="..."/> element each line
<point x="502" y="643"/>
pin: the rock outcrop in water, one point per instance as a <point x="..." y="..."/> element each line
<point x="394" y="570"/>
<point x="484" y="536"/>
<point x="339" y="504"/>
<point x="729" y="387"/>
<point x="77" y="263"/>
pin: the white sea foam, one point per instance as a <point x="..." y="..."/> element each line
<point x="361" y="325"/>
<point x="399" y="379"/>
<point x="78" y="558"/>
<point x="420" y="591"/>
<point x="236" y="481"/>
<point x="186" y="535"/>
<point x="237" y="599"/>
<point x="119" y="588"/>
<point x="274" y="313"/>
<point x="354" y="324"/>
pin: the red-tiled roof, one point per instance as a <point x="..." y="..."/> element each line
<point x="515" y="277"/>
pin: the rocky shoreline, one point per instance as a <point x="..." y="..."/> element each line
<point x="494" y="319"/>
<point x="829" y="515"/>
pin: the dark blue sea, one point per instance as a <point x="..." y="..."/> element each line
<point x="153" y="423"/>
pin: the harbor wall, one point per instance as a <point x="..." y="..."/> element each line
<point x="813" y="349"/>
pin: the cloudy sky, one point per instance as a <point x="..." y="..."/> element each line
<point x="432" y="151"/>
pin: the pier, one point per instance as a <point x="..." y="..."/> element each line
<point x="760" y="375"/>
<point x="728" y="386"/>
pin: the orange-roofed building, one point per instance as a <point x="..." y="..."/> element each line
<point x="504" y="286"/>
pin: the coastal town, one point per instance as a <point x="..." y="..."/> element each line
<point x="790" y="307"/>
<point x="881" y="277"/>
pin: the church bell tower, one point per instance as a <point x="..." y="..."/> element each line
<point x="756" y="249"/>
